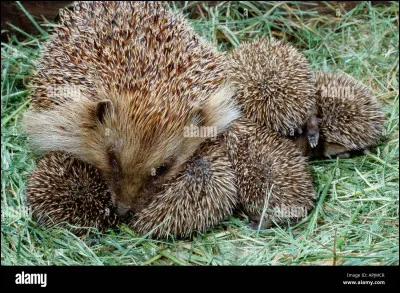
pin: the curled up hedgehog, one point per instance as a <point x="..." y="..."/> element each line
<point x="275" y="87"/>
<point x="350" y="118"/>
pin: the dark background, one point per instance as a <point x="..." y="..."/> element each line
<point x="48" y="10"/>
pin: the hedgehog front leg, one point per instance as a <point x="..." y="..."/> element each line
<point x="312" y="131"/>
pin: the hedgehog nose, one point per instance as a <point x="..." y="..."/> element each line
<point x="121" y="211"/>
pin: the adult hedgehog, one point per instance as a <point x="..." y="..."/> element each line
<point x="116" y="86"/>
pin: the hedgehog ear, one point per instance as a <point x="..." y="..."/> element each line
<point x="102" y="108"/>
<point x="221" y="108"/>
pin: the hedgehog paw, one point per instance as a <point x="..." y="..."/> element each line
<point x="312" y="131"/>
<point x="313" y="139"/>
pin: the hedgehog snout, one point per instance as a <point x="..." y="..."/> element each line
<point x="130" y="198"/>
<point x="124" y="203"/>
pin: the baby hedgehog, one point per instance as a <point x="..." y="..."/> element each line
<point x="201" y="196"/>
<point x="63" y="189"/>
<point x="275" y="86"/>
<point x="349" y="117"/>
<point x="116" y="86"/>
<point x="272" y="174"/>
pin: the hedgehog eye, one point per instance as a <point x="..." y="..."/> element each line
<point x="162" y="170"/>
<point x="165" y="167"/>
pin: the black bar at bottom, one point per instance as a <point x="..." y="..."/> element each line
<point x="192" y="279"/>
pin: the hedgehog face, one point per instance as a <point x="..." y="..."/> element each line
<point x="138" y="150"/>
<point x="138" y="168"/>
<point x="133" y="183"/>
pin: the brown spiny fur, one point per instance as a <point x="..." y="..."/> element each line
<point x="133" y="75"/>
<point x="271" y="172"/>
<point x="274" y="84"/>
<point x="63" y="189"/>
<point x="200" y="197"/>
<point x="350" y="117"/>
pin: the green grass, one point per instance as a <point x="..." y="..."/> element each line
<point x="356" y="220"/>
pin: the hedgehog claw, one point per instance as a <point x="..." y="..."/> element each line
<point x="313" y="139"/>
<point x="312" y="131"/>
